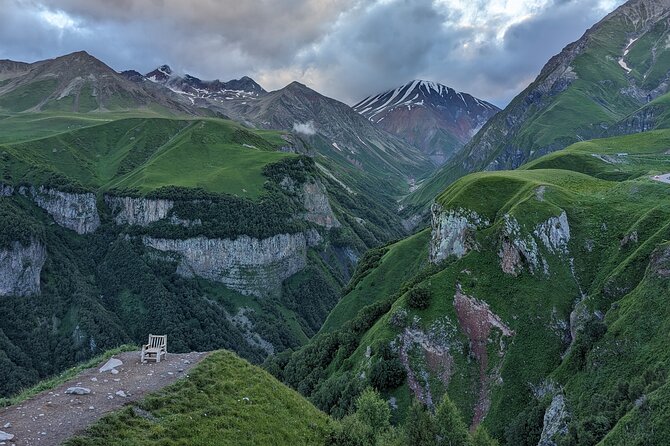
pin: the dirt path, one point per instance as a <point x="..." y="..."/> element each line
<point x="51" y="417"/>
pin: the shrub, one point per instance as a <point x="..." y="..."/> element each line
<point x="419" y="298"/>
<point x="387" y="374"/>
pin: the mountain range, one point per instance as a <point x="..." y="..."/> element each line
<point x="421" y="267"/>
<point x="77" y="82"/>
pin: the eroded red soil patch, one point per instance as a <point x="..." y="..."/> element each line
<point x="477" y="321"/>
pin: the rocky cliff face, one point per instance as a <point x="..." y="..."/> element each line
<point x="138" y="211"/>
<point x="315" y="201"/>
<point x="519" y="248"/>
<point x="555" y="421"/>
<point x="314" y="198"/>
<point x="434" y="346"/>
<point x="554" y="234"/>
<point x="247" y="265"/>
<point x="20" y="268"/>
<point x="78" y="212"/>
<point x="477" y="321"/>
<point x="453" y="232"/>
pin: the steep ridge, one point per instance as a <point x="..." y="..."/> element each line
<point x="78" y="82"/>
<point x="472" y="314"/>
<point x="588" y="90"/>
<point x="433" y="117"/>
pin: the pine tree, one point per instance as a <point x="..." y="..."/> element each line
<point x="481" y="437"/>
<point x="451" y="429"/>
<point x="419" y="426"/>
<point x="372" y="410"/>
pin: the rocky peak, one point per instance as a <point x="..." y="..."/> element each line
<point x="133" y="75"/>
<point x="421" y="93"/>
<point x="160" y="74"/>
<point x="296" y="87"/>
<point x="431" y="116"/>
<point x="245" y="83"/>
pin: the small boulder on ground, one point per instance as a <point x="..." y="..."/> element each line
<point x="4" y="436"/>
<point x="111" y="365"/>
<point x="78" y="390"/>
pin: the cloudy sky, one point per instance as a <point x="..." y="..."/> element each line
<point x="346" y="49"/>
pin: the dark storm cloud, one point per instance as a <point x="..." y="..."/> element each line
<point x="388" y="44"/>
<point x="344" y="48"/>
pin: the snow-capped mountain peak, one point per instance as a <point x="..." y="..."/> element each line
<point x="420" y="93"/>
<point x="432" y="116"/>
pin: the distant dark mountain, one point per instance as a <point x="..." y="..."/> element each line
<point x="199" y="91"/>
<point x="78" y="82"/>
<point x="433" y="117"/>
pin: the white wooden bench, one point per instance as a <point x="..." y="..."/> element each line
<point x="155" y="348"/>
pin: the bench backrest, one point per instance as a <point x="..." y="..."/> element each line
<point x="156" y="341"/>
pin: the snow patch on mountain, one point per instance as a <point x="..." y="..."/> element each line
<point x="422" y="93"/>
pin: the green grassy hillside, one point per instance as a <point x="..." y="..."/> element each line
<point x="604" y="283"/>
<point x="223" y="401"/>
<point x="380" y="273"/>
<point x="145" y="154"/>
<point x="610" y="82"/>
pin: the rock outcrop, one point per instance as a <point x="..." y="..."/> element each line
<point x="314" y="198"/>
<point x="518" y="248"/>
<point x="138" y="211"/>
<point x="555" y="421"/>
<point x="247" y="265"/>
<point x="554" y="233"/>
<point x="426" y="352"/>
<point x="6" y="190"/>
<point x="477" y="322"/>
<point x="20" y="269"/>
<point x="660" y="262"/>
<point x="76" y="211"/>
<point x="315" y="201"/>
<point x="453" y="232"/>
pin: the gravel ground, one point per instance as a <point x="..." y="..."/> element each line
<point x="52" y="417"/>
